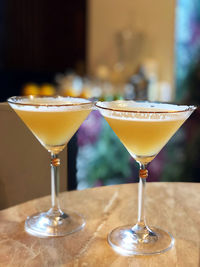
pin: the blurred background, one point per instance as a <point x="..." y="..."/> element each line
<point x="141" y="50"/>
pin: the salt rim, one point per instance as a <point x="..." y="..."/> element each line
<point x="142" y="107"/>
<point x="49" y="104"/>
<point x="144" y="111"/>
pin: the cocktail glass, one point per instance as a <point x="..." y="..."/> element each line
<point x="53" y="121"/>
<point x="144" y="128"/>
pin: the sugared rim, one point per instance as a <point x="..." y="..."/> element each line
<point x="14" y="100"/>
<point x="189" y="108"/>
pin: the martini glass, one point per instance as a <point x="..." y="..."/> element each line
<point x="53" y="121"/>
<point x="144" y="128"/>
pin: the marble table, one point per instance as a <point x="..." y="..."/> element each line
<point x="172" y="206"/>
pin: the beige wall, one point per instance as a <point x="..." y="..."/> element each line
<point x="153" y="18"/>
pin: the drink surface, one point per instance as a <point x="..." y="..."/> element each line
<point x="53" y="122"/>
<point x="144" y="130"/>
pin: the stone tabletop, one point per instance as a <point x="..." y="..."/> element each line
<point x="172" y="206"/>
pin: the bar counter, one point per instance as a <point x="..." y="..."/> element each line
<point x="171" y="206"/>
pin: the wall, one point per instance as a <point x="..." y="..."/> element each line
<point x="154" y="19"/>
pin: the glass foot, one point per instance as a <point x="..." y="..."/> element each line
<point x="128" y="240"/>
<point x="54" y="223"/>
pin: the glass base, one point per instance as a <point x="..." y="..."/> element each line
<point x="135" y="240"/>
<point x="54" y="223"/>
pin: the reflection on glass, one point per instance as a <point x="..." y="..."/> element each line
<point x="144" y="128"/>
<point x="53" y="121"/>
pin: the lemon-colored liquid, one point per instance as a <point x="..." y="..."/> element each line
<point x="144" y="138"/>
<point x="53" y="129"/>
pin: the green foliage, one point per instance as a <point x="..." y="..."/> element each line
<point x="172" y="168"/>
<point x="110" y="160"/>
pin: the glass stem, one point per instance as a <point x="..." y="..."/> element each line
<point x="55" y="163"/>
<point x="143" y="174"/>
